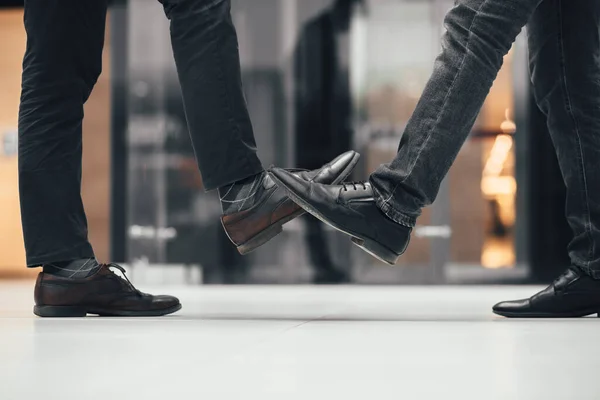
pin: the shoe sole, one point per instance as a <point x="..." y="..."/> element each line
<point x="273" y="230"/>
<point x="367" y="244"/>
<point x="579" y="314"/>
<point x="75" y="312"/>
<point x="376" y="250"/>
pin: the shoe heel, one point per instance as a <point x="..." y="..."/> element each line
<point x="59" y="311"/>
<point x="260" y="239"/>
<point x="377" y="250"/>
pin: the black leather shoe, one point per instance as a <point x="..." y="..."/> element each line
<point x="350" y="208"/>
<point x="255" y="226"/>
<point x="572" y="294"/>
<point x="103" y="293"/>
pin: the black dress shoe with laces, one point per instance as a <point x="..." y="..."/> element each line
<point x="573" y="294"/>
<point x="350" y="208"/>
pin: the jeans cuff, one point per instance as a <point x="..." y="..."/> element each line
<point x="395" y="215"/>
<point x="587" y="270"/>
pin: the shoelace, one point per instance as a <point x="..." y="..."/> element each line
<point x="346" y="185"/>
<point x="125" y="280"/>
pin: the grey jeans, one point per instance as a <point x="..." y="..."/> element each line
<point x="564" y="47"/>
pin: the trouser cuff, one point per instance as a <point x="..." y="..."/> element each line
<point x="394" y="214"/>
<point x="83" y="250"/>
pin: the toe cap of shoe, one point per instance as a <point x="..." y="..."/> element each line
<point x="340" y="165"/>
<point x="165" y="301"/>
<point x="513" y="306"/>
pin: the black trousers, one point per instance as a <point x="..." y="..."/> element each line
<point x="61" y="65"/>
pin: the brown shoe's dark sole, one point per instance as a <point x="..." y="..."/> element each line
<point x="75" y="312"/>
<point x="273" y="230"/>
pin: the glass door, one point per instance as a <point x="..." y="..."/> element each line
<point x="471" y="229"/>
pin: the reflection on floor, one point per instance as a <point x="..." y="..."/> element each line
<point x="301" y="343"/>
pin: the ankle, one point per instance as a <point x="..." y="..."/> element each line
<point x="240" y="195"/>
<point x="75" y="269"/>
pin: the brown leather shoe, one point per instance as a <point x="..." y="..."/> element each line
<point x="251" y="228"/>
<point x="103" y="293"/>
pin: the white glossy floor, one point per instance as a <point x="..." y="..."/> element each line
<point x="301" y="343"/>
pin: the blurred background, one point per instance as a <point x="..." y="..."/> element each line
<point x="320" y="77"/>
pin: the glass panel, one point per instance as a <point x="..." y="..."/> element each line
<point x="170" y="219"/>
<point x="389" y="74"/>
<point x="392" y="52"/>
<point x="484" y="173"/>
<point x="394" y="48"/>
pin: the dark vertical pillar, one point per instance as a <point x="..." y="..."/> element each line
<point x="118" y="26"/>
